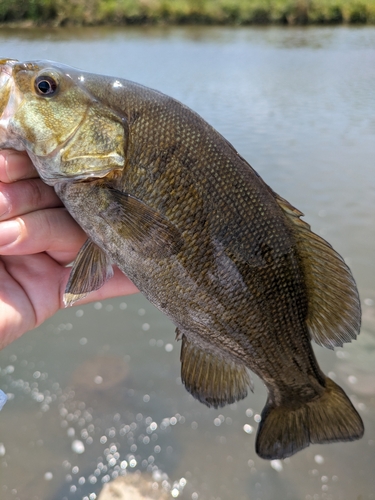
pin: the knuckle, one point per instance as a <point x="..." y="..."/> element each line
<point x="37" y="192"/>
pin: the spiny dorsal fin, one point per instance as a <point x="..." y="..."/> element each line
<point x="91" y="269"/>
<point x="334" y="309"/>
<point x="211" y="379"/>
<point x="152" y="234"/>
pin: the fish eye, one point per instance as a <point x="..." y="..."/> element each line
<point x="45" y="85"/>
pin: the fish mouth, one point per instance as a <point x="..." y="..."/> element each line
<point x="9" y="101"/>
<point x="5" y="77"/>
<point x="6" y="104"/>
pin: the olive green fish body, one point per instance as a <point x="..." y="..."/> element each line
<point x="164" y="196"/>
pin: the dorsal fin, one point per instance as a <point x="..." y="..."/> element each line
<point x="334" y="309"/>
<point x="210" y="378"/>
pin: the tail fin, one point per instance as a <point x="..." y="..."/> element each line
<point x="284" y="431"/>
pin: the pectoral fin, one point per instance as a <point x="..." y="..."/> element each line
<point x="210" y="378"/>
<point x="150" y="233"/>
<point x="334" y="310"/>
<point x="91" y="269"/>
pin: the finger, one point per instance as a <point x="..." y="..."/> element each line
<point x="26" y="196"/>
<point x="51" y="230"/>
<point x="32" y="291"/>
<point x="15" y="165"/>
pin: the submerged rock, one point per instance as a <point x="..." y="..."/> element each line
<point x="134" y="487"/>
<point x="101" y="381"/>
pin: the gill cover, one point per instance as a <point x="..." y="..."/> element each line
<point x="56" y="117"/>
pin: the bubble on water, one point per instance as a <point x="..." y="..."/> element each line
<point x="141" y="311"/>
<point x="98" y="380"/>
<point x="277" y="465"/>
<point x="146" y="398"/>
<point x="342" y="354"/>
<point x="168" y="347"/>
<point x="369" y="302"/>
<point x="319" y="459"/>
<point x="80" y="313"/>
<point x="257" y="418"/>
<point x="75" y="469"/>
<point x="194" y="496"/>
<point x="83" y="341"/>
<point x="145" y="327"/>
<point x="48" y="476"/>
<point x="98" y="306"/>
<point x="352" y="379"/>
<point x="78" y="447"/>
<point x="249" y="412"/>
<point x="248" y="429"/>
<point x="175" y="493"/>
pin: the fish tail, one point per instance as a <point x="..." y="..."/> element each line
<point x="284" y="430"/>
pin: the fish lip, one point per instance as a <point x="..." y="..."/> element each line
<point x="4" y="70"/>
<point x="7" y="65"/>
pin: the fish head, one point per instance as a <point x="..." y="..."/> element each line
<point x="47" y="110"/>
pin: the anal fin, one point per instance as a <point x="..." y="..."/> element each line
<point x="90" y="270"/>
<point x="210" y="378"/>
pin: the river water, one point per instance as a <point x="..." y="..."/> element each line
<point x="96" y="390"/>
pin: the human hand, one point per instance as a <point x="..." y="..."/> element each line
<point x="38" y="238"/>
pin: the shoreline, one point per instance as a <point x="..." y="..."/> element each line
<point x="55" y="13"/>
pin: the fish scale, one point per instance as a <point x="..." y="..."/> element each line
<point x="167" y="199"/>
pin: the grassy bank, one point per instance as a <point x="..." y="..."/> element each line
<point x="90" y="12"/>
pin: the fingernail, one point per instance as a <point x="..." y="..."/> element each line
<point x="9" y="232"/>
<point x="4" y="204"/>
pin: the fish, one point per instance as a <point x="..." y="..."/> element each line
<point x="166" y="198"/>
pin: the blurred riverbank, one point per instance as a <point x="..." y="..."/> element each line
<point x="221" y="12"/>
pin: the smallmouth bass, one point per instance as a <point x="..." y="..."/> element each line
<point x="167" y="199"/>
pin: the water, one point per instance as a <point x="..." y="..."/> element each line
<point x="96" y="390"/>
